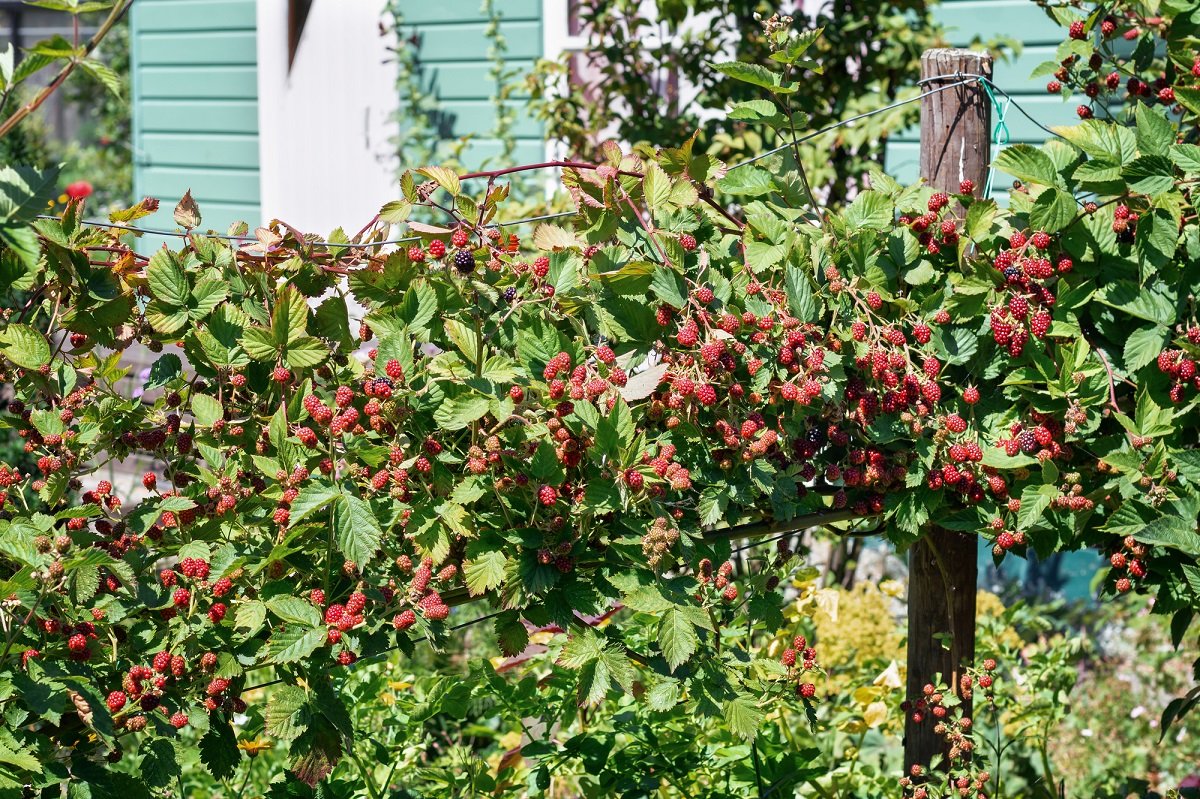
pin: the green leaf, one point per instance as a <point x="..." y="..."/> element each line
<point x="1034" y="501"/>
<point x="511" y="633"/>
<point x="160" y="762"/>
<point x="206" y="296"/>
<point x="219" y="751"/>
<point x="1143" y="345"/>
<point x="459" y="412"/>
<point x="1172" y="532"/>
<point x="259" y="344"/>
<point x="26" y="347"/>
<point x="163" y="371"/>
<point x="305" y="352"/>
<point x="294" y="643"/>
<point x="1156" y="237"/>
<point x="803" y="303"/>
<point x="25" y="192"/>
<point x="313" y="498"/>
<point x="485" y="571"/>
<point x="669" y="286"/>
<point x="358" y="531"/>
<point x="743" y="717"/>
<point x="756" y="75"/>
<point x="1027" y="163"/>
<point x="664" y="695"/>
<point x="980" y="217"/>
<point x="1150" y="174"/>
<point x="207" y="410"/>
<point x="249" y="617"/>
<point x="1155" y="133"/>
<point x="294" y="610"/>
<point x="1113" y="143"/>
<point x="287" y="714"/>
<point x="444" y="177"/>
<point x="168" y="282"/>
<point x="289" y="318"/>
<point x="872" y="210"/>
<point x="1186" y="157"/>
<point x="1052" y="211"/>
<point x="677" y="637"/>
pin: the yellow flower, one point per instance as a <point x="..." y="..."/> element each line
<point x="253" y="748"/>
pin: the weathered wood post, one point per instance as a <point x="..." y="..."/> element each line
<point x="955" y="139"/>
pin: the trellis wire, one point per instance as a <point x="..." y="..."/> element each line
<point x="544" y="217"/>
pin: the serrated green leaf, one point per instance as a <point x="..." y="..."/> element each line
<point x="461" y="411"/>
<point x="358" y="531"/>
<point x="743" y="717"/>
<point x="677" y="637"/>
<point x="294" y="643"/>
<point x="1028" y="163"/>
<point x="207" y="410"/>
<point x="1053" y="210"/>
<point x="511" y="633"/>
<point x="1144" y="345"/>
<point x="168" y="282"/>
<point x="219" y="751"/>
<point x="26" y="347"/>
<point x="485" y="571"/>
<point x="287" y="714"/>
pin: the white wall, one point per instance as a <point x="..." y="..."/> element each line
<point x="325" y="127"/>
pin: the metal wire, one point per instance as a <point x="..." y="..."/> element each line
<point x="543" y="217"/>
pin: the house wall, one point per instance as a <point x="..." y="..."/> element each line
<point x="452" y="45"/>
<point x="195" y="107"/>
<point x="327" y="124"/>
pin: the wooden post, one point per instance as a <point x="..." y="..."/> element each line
<point x="955" y="146"/>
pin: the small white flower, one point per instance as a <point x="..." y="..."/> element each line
<point x="1137" y="712"/>
<point x="1086" y="732"/>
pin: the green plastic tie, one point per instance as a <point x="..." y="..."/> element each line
<point x="1000" y="133"/>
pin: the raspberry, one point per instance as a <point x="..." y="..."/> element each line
<point x="688" y="334"/>
<point x="181" y="597"/>
<point x="416" y="254"/>
<point x="517" y="393"/>
<point x="874" y="300"/>
<point x="281" y="375"/>
<point x="808" y="690"/>
<point x="1118" y="560"/>
<point x="704" y="295"/>
<point x="208" y="661"/>
<point x="116" y="701"/>
<point x="222" y="587"/>
<point x="393" y="369"/>
<point x="437" y="248"/>
<point x="706" y="394"/>
<point x="402" y="621"/>
<point x="281" y="516"/>
<point x="1108" y="27"/>
<point x="346" y="657"/>
<point x="162" y="662"/>
<point x="317" y="597"/>
<point x="1041" y="240"/>
<point x="1166" y="95"/>
<point x="1077" y="31"/>
<point x="605" y="354"/>
<point x="938" y="201"/>
<point x="1005" y="541"/>
<point x="989" y="664"/>
<point x="858" y="330"/>
<point x="789" y="657"/>
<point x="179" y="720"/>
<point x="922" y="333"/>
<point x="970" y="395"/>
<point x="217" y="612"/>
<point x="955" y="423"/>
<point x="1054" y="87"/>
<point x="687" y="241"/>
<point x="966" y="187"/>
<point x="547" y="495"/>
<point x="464" y="261"/>
<point x="1084" y="112"/>
<point x="1124" y="585"/>
<point x="217" y="686"/>
<point x="730" y="593"/>
<point x="1039" y="324"/>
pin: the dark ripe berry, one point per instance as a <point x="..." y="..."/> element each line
<point x="1027" y="441"/>
<point x="437" y="248"/>
<point x="1077" y="30"/>
<point x="687" y="241"/>
<point x="464" y="261"/>
<point x="1054" y="87"/>
<point x="510" y="293"/>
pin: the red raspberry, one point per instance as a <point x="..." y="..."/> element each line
<point x="393" y="369"/>
<point x="317" y="597"/>
<point x="1054" y="87"/>
<point x="355" y="603"/>
<point x="116" y="700"/>
<point x="858" y="330"/>
<point x="1166" y="95"/>
<point x="1124" y="585"/>
<point x="1039" y="324"/>
<point x="459" y="238"/>
<point x="922" y="333"/>
<point x="687" y="241"/>
<point x="1108" y="27"/>
<point x="808" y="690"/>
<point x="162" y="662"/>
<point x="402" y="621"/>
<point x="706" y="395"/>
<point x="517" y="393"/>
<point x="437" y="248"/>
<point x="1005" y="540"/>
<point x="149" y="480"/>
<point x="1077" y="30"/>
<point x="970" y="395"/>
<point x="605" y="354"/>
<point x="222" y="587"/>
<point x="217" y="686"/>
<point x="179" y="720"/>
<point x="1118" y="560"/>
<point x="704" y="295"/>
<point x="547" y="495"/>
<point x="346" y="657"/>
<point x="181" y="597"/>
<point x="208" y="661"/>
<point x="966" y="187"/>
<point x="789" y="657"/>
<point x="333" y="636"/>
<point x="688" y="334"/>
<point x="874" y="300"/>
<point x="1041" y="240"/>
<point x="938" y="201"/>
<point x="216" y="613"/>
<point x="1084" y="112"/>
<point x="730" y="593"/>
<point x="280" y="374"/>
<point x="416" y="254"/>
<point x="955" y="423"/>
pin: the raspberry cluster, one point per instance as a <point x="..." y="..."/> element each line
<point x="1128" y="565"/>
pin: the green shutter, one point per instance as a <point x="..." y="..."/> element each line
<point x="455" y="68"/>
<point x="195" y="108"/>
